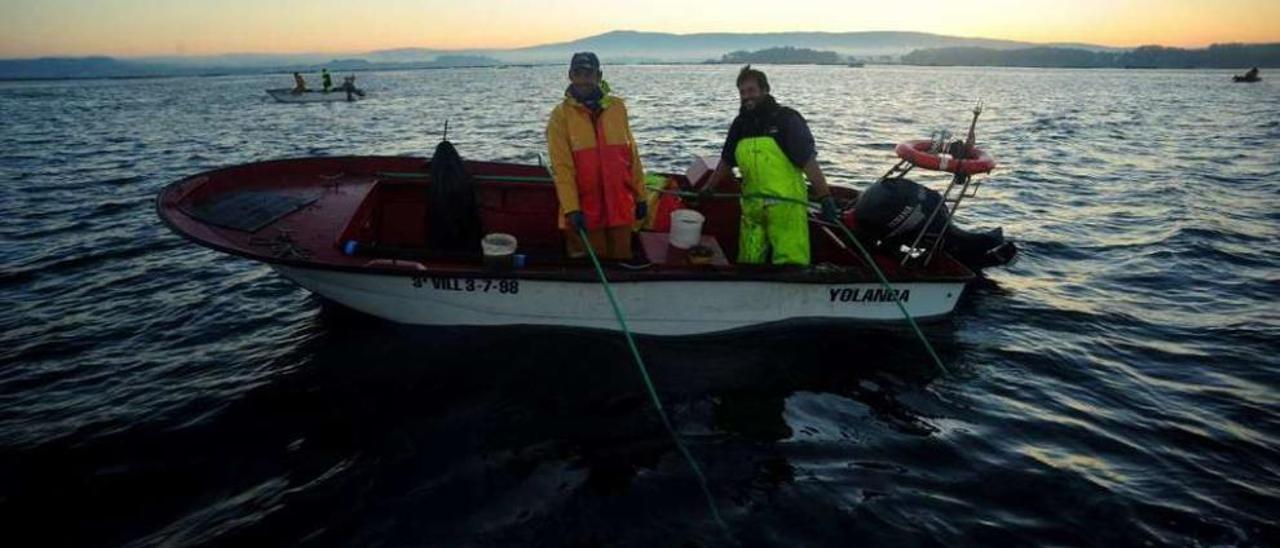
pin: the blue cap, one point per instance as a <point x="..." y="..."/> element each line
<point x="584" y="60"/>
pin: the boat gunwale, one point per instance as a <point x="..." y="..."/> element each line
<point x="286" y="95"/>
<point x="745" y="273"/>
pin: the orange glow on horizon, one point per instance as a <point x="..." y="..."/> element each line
<point x="202" y="27"/>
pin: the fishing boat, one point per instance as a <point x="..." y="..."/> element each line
<point x="288" y="95"/>
<point x="1249" y="77"/>
<point x="357" y="231"/>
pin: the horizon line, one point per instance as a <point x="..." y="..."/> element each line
<point x="447" y="50"/>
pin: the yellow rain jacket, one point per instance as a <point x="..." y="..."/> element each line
<point x="594" y="162"/>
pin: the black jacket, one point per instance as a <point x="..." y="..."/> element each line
<point x="769" y="119"/>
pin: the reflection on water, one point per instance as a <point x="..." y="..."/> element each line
<point x="1114" y="386"/>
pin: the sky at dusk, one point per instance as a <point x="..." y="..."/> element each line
<point x="124" y="28"/>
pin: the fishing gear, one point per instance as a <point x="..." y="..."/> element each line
<point x="648" y="383"/>
<point x="865" y="255"/>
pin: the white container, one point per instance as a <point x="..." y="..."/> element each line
<point x="686" y="228"/>
<point x="498" y="244"/>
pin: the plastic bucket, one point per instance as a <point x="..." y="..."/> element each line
<point x="686" y="228"/>
<point x="499" y="250"/>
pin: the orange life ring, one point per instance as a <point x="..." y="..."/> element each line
<point x="917" y="152"/>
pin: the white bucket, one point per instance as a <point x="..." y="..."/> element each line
<point x="498" y="244"/>
<point x="686" y="228"/>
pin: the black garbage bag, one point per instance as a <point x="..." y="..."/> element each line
<point x="453" y="216"/>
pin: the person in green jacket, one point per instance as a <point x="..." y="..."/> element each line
<point x="325" y="80"/>
<point x="773" y="149"/>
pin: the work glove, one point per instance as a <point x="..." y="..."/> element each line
<point x="829" y="210"/>
<point x="576" y="220"/>
<point x="642" y="210"/>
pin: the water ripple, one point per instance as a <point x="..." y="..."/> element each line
<point x="1117" y="385"/>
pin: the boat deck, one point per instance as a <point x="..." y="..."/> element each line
<point x="300" y="212"/>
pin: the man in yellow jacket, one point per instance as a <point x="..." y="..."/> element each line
<point x="598" y="177"/>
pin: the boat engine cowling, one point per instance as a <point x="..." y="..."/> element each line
<point x="892" y="212"/>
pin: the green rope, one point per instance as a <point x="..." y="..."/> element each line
<point x="648" y="383"/>
<point x="866" y="256"/>
<point x="849" y="234"/>
<point x="503" y="178"/>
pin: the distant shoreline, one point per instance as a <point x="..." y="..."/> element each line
<point x="270" y="72"/>
<point x="633" y="47"/>
<point x="273" y="72"/>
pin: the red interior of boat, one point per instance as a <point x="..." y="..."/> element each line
<point x="383" y="201"/>
<point x="395" y="215"/>
<point x="395" y="212"/>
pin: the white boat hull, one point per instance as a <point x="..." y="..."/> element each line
<point x="311" y="96"/>
<point x="668" y="308"/>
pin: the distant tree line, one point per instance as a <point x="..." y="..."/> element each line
<point x="1215" y="56"/>
<point x="785" y="55"/>
<point x="441" y="61"/>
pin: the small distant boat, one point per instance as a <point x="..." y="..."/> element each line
<point x="287" y="95"/>
<point x="1250" y="76"/>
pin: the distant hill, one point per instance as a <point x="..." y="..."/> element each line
<point x="410" y="55"/>
<point x="632" y="46"/>
<point x="624" y="46"/>
<point x="784" y="55"/>
<point x="240" y="60"/>
<point x="1024" y="57"/>
<point x="1215" y="56"/>
<point x="613" y="47"/>
<point x="106" y="67"/>
<point x="465" y="61"/>
<point x="620" y="47"/>
<point x="78" y="67"/>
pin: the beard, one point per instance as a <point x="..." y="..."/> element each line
<point x="758" y="106"/>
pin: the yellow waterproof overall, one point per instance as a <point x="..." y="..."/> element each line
<point x="770" y="225"/>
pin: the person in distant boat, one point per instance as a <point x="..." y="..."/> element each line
<point x="1252" y="74"/>
<point x="325" y="80"/>
<point x="772" y="146"/>
<point x="349" y="86"/>
<point x="598" y="176"/>
<point x="299" y="85"/>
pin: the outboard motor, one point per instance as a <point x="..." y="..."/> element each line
<point x="892" y="212"/>
<point x="979" y="250"/>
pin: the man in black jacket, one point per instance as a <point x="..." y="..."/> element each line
<point x="773" y="149"/>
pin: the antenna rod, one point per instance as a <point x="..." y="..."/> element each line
<point x="970" y="140"/>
